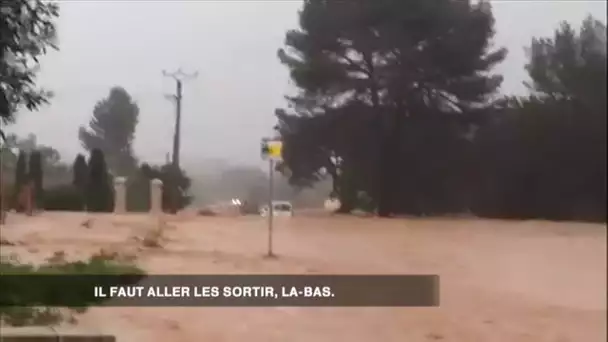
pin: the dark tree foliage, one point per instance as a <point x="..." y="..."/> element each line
<point x="64" y="197"/>
<point x="331" y="145"/>
<point x="397" y="104"/>
<point x="27" y="30"/>
<point x="80" y="174"/>
<point x="21" y="176"/>
<point x="99" y="190"/>
<point x="138" y="188"/>
<point x="175" y="186"/>
<point x="35" y="176"/>
<point x="546" y="157"/>
<point x="112" y="130"/>
<point x="399" y="82"/>
<point x="80" y="171"/>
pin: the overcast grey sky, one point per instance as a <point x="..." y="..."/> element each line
<point x="232" y="44"/>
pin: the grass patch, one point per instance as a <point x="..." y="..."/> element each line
<point x="54" y="292"/>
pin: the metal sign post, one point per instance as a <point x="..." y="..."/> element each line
<point x="271" y="150"/>
<point x="270" y="206"/>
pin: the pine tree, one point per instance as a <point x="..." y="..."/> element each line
<point x="399" y="83"/>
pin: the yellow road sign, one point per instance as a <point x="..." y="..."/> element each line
<point x="275" y="149"/>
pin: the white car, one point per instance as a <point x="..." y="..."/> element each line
<point x="279" y="208"/>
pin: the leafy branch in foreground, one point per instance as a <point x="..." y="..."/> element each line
<point x="27" y="31"/>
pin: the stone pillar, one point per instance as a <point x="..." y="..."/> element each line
<point x="156" y="196"/>
<point x="120" y="195"/>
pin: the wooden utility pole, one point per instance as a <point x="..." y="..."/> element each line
<point x="179" y="76"/>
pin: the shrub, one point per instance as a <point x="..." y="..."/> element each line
<point x="64" y="198"/>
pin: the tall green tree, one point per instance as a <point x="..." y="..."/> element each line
<point x="27" y="30"/>
<point x="551" y="145"/>
<point x="568" y="112"/>
<point x="404" y="77"/>
<point x="35" y="175"/>
<point x="80" y="171"/>
<point x="80" y="175"/>
<point x="571" y="66"/>
<point x="112" y="130"/>
<point x="99" y="191"/>
<point x="21" y="175"/>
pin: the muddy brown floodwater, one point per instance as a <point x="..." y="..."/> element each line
<point x="527" y="281"/>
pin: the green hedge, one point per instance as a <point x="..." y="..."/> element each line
<point x="64" y="198"/>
